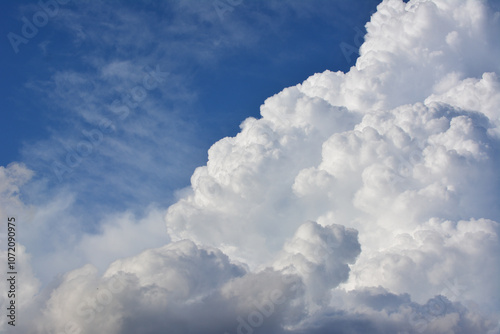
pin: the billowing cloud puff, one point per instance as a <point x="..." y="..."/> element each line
<point x="321" y="256"/>
<point x="438" y="258"/>
<point x="364" y="201"/>
<point x="182" y="287"/>
<point x="374" y="310"/>
<point x="254" y="173"/>
<point x="135" y="290"/>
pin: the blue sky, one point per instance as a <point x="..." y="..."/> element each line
<point x="222" y="63"/>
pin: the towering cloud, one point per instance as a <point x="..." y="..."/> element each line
<point x="361" y="202"/>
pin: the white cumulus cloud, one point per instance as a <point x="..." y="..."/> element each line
<point x="360" y="202"/>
